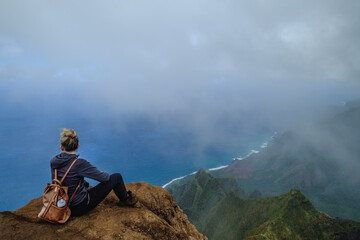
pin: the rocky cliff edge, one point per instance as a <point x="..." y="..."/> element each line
<point x="155" y="216"/>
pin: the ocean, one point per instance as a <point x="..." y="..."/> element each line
<point x="137" y="148"/>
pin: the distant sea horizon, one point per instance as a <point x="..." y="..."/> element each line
<point x="140" y="151"/>
<point x="252" y="151"/>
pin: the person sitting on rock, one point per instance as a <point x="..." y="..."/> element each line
<point x="86" y="199"/>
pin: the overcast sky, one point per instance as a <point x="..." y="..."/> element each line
<point x="193" y="60"/>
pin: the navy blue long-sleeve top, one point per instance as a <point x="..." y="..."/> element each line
<point x="79" y="170"/>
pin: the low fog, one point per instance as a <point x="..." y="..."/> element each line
<point x="207" y="66"/>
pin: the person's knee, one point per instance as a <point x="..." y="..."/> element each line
<point x="116" y="177"/>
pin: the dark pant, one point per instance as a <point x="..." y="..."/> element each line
<point x="99" y="193"/>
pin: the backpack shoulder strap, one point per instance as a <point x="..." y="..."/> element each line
<point x="56" y="175"/>
<point x="56" y="180"/>
<point x="77" y="188"/>
<point x="66" y="173"/>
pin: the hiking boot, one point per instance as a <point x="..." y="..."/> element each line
<point x="131" y="200"/>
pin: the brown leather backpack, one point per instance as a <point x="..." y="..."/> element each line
<point x="52" y="194"/>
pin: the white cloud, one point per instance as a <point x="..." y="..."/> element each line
<point x="198" y="59"/>
<point x="198" y="39"/>
<point x="10" y="50"/>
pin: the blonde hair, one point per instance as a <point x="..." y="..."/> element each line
<point x="69" y="140"/>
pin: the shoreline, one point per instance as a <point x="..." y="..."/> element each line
<point x="264" y="145"/>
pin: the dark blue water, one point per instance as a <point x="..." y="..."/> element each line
<point x="138" y="148"/>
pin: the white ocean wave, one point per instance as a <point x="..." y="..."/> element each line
<point x="250" y="153"/>
<point x="175" y="179"/>
<point x="264" y="145"/>
<point x="217" y="168"/>
<point x="272" y="137"/>
<point x="253" y="151"/>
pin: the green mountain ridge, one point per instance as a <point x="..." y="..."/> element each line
<point x="220" y="209"/>
<point x="202" y="193"/>
<point x="321" y="158"/>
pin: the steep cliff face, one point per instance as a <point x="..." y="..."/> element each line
<point x="201" y="194"/>
<point x="320" y="157"/>
<point x="218" y="210"/>
<point x="156" y="216"/>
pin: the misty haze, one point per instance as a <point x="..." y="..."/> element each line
<point x="157" y="90"/>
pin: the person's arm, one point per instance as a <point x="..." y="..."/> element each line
<point x="89" y="171"/>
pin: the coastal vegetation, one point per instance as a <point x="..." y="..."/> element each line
<point x="220" y="209"/>
<point x="320" y="157"/>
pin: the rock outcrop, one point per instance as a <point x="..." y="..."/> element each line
<point x="155" y="216"/>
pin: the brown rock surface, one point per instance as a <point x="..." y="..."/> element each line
<point x="155" y="216"/>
